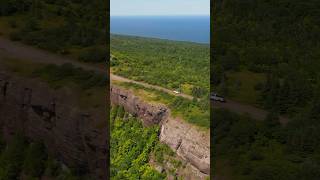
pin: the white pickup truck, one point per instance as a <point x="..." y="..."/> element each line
<point x="176" y="92"/>
<point x="216" y="97"/>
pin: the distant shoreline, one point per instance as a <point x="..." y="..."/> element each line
<point x="128" y="16"/>
<point x="154" y="38"/>
<point x="195" y="29"/>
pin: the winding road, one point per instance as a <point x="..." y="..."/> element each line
<point x="16" y="50"/>
<point x="10" y="49"/>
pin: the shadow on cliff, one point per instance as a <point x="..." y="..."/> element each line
<point x="75" y="136"/>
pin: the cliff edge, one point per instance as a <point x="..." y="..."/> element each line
<point x="190" y="143"/>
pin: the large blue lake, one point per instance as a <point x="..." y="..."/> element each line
<point x="180" y="28"/>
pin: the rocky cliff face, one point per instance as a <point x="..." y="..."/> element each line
<point x="190" y="143"/>
<point x="151" y="114"/>
<point x="79" y="137"/>
<point x="76" y="137"/>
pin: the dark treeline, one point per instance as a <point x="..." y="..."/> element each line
<point x="22" y="159"/>
<point x="279" y="39"/>
<point x="76" y="27"/>
<point x="246" y="149"/>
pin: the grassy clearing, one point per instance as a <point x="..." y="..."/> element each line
<point x="194" y="112"/>
<point x="241" y="86"/>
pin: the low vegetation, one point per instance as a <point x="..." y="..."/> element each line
<point x="57" y="75"/>
<point x="165" y="157"/>
<point x="67" y="73"/>
<point x="89" y="86"/>
<point x="131" y="146"/>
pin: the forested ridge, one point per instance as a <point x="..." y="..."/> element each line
<point x="76" y="28"/>
<point x="266" y="53"/>
<point x="175" y="65"/>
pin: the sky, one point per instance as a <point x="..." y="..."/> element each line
<point x="159" y="7"/>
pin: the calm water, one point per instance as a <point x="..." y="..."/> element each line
<point x="180" y="28"/>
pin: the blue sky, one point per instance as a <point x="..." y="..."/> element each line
<point x="159" y="7"/>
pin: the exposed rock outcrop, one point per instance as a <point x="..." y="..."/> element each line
<point x="78" y="138"/>
<point x="190" y="143"/>
<point x="150" y="114"/>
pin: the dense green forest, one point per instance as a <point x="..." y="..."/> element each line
<point x="21" y="159"/>
<point x="266" y="53"/>
<point x="131" y="146"/>
<point x="71" y="27"/>
<point x="174" y="65"/>
<point x="136" y="150"/>
<point x="246" y="149"/>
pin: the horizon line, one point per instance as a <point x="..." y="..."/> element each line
<point x="160" y="15"/>
<point x="157" y="38"/>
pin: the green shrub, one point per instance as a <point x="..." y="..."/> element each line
<point x="131" y="145"/>
<point x="68" y="73"/>
<point x="35" y="161"/>
<point x="12" y="158"/>
<point x="94" y="55"/>
<point x="53" y="167"/>
<point x="15" y="36"/>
